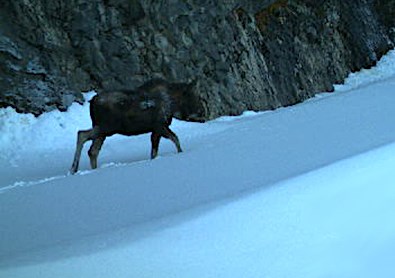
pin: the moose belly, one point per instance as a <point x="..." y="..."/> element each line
<point x="131" y="126"/>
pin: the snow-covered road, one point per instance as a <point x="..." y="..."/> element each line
<point x="302" y="191"/>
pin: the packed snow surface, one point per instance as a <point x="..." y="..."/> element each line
<point x="302" y="191"/>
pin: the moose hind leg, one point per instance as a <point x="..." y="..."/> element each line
<point x="94" y="151"/>
<point x="167" y="133"/>
<point x="82" y="137"/>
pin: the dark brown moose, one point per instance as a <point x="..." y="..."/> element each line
<point x="148" y="109"/>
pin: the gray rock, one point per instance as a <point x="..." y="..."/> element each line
<point x="7" y="46"/>
<point x="242" y="54"/>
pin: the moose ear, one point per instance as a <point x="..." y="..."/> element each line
<point x="193" y="83"/>
<point x="191" y="86"/>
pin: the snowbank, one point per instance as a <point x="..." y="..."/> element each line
<point x="303" y="191"/>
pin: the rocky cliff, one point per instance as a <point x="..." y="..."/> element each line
<point x="243" y="55"/>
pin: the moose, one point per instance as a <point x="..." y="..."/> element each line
<point x="148" y="109"/>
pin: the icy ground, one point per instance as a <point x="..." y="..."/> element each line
<point x="302" y="191"/>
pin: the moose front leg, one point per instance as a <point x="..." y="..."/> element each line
<point x="167" y="133"/>
<point x="155" y="139"/>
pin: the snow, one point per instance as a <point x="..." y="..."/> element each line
<point x="302" y="191"/>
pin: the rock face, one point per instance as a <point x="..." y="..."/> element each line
<point x="243" y="55"/>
